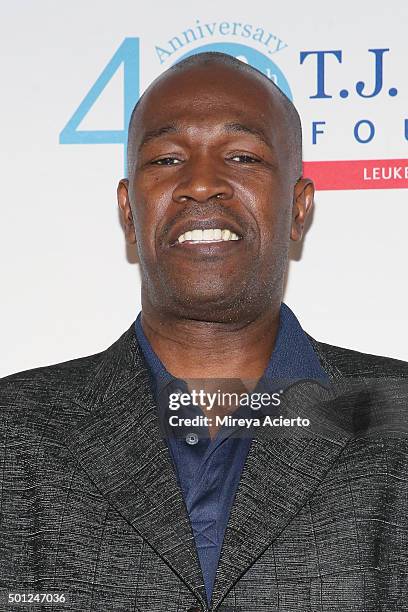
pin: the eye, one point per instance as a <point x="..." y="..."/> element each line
<point x="244" y="158"/>
<point x="166" y="161"/>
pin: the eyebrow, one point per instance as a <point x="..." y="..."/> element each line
<point x="247" y="129"/>
<point x="157" y="132"/>
<point x="232" y="128"/>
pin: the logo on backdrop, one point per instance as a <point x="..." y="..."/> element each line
<point x="262" y="49"/>
<point x="259" y="57"/>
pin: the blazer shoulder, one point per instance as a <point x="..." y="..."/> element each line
<point x="42" y="385"/>
<point x="348" y="362"/>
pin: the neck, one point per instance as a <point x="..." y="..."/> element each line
<point x="204" y="349"/>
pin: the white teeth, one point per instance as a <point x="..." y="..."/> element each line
<point x="197" y="234"/>
<point x="208" y="235"/>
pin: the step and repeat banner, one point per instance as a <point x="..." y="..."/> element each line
<point x="71" y="72"/>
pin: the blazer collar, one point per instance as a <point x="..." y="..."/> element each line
<point x="118" y="443"/>
<point x="282" y="471"/>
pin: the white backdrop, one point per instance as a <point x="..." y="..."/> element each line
<point x="69" y="288"/>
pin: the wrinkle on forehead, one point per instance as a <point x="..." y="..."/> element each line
<point x="218" y="129"/>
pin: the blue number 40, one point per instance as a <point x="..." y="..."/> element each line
<point x="128" y="54"/>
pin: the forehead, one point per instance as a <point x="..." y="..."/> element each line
<point x="213" y="93"/>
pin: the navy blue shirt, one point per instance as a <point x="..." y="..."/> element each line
<point x="209" y="471"/>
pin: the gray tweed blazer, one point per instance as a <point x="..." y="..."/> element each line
<point x="91" y="509"/>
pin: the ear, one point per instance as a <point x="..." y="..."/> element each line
<point x="303" y="199"/>
<point x="126" y="211"/>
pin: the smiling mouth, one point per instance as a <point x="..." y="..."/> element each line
<point x="206" y="236"/>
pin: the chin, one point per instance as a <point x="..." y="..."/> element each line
<point x="211" y="306"/>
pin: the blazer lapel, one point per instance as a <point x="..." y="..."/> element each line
<point x="119" y="444"/>
<point x="281" y="473"/>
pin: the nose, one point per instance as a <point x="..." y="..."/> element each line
<point x="201" y="180"/>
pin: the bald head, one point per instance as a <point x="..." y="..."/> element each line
<point x="289" y="121"/>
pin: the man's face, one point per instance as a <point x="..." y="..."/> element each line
<point x="210" y="147"/>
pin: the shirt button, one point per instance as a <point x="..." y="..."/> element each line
<point x="191" y="438"/>
<point x="178" y="391"/>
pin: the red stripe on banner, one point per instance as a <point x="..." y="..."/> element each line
<point x="358" y="174"/>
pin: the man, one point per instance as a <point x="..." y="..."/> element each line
<point x="104" y="507"/>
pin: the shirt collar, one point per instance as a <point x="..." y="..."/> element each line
<point x="158" y="373"/>
<point x="293" y="357"/>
